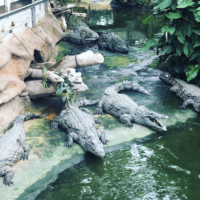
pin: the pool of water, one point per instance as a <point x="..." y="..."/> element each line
<point x="164" y="165"/>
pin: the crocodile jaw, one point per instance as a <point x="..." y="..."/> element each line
<point x="155" y="124"/>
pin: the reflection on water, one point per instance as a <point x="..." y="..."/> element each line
<point x="126" y="23"/>
<point x="101" y="17"/>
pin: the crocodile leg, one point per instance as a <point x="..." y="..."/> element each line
<point x="88" y="112"/>
<point x="126" y="120"/>
<point x="175" y="88"/>
<point x="70" y="137"/>
<point x="54" y="123"/>
<point x="186" y="103"/>
<point x="101" y="46"/>
<point x="25" y="148"/>
<point x="99" y="109"/>
<point x="102" y="136"/>
<point x="8" y="172"/>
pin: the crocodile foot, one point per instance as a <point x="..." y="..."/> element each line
<point x="9" y="176"/>
<point x="98" y="111"/>
<point x="67" y="144"/>
<point x="54" y="125"/>
<point x="25" y="156"/>
<point x="102" y="137"/>
<point x="69" y="141"/>
<point x="182" y="107"/>
<point x="96" y="121"/>
<point x="129" y="124"/>
<point x="8" y="182"/>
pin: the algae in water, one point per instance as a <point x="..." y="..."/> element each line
<point x="117" y="61"/>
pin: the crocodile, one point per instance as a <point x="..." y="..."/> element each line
<point x="13" y="147"/>
<point x="81" y="34"/>
<point x="188" y="92"/>
<point x="112" y="42"/>
<point x="80" y="126"/>
<point x="124" y="108"/>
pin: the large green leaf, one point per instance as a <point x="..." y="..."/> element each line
<point x="174" y="15"/>
<point x="164" y="29"/>
<point x="60" y="89"/>
<point x="188" y="48"/>
<point x="178" y="46"/>
<point x="196" y="29"/>
<point x="145" y="21"/>
<point x="189" y="30"/>
<point x="171" y="38"/>
<point x="174" y="4"/>
<point x="170" y="29"/>
<point x="168" y="49"/>
<point x="184" y="3"/>
<point x="197" y="14"/>
<point x="177" y="68"/>
<point x="180" y="37"/>
<point x="164" y="4"/>
<point x="195" y="54"/>
<point x="147" y="45"/>
<point x="192" y="72"/>
<point x="197" y="44"/>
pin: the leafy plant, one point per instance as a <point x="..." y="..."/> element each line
<point x="180" y="40"/>
<point x="65" y="87"/>
<point x="45" y="81"/>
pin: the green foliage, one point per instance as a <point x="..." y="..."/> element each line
<point x="65" y="87"/>
<point x="192" y="72"/>
<point x="180" y="40"/>
<point x="45" y="82"/>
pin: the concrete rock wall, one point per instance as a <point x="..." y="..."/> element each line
<point x="15" y="62"/>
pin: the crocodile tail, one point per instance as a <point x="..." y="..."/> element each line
<point x="128" y="85"/>
<point x="28" y="116"/>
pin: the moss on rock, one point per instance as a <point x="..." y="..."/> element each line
<point x="64" y="49"/>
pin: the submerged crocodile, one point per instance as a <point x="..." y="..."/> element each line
<point x="81" y="34"/>
<point x="80" y="126"/>
<point x="124" y="108"/>
<point x="13" y="147"/>
<point x="185" y="91"/>
<point x="112" y="42"/>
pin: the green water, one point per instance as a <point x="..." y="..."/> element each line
<point x="161" y="166"/>
<point x="165" y="166"/>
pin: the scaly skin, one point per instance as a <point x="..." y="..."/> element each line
<point x="80" y="126"/>
<point x="124" y="108"/>
<point x="81" y="34"/>
<point x="185" y="91"/>
<point x="112" y="42"/>
<point x="13" y="147"/>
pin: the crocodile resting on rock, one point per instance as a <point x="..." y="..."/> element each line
<point x="13" y="147"/>
<point x="185" y="91"/>
<point x="81" y="34"/>
<point x="124" y="108"/>
<point x="80" y="126"/>
<point x="112" y="42"/>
